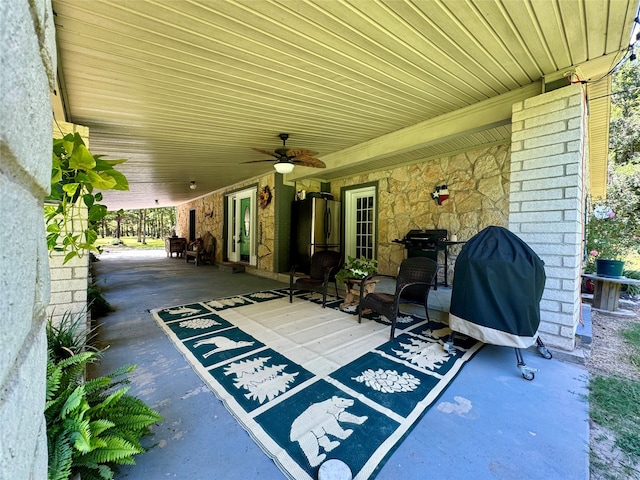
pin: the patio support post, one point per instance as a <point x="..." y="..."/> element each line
<point x="28" y="51"/>
<point x="549" y="146"/>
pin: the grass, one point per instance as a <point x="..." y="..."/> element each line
<point x="131" y="242"/>
<point x="632" y="337"/>
<point x="615" y="405"/>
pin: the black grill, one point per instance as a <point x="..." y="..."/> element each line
<point x="424" y="243"/>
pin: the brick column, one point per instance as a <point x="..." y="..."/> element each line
<point x="546" y="201"/>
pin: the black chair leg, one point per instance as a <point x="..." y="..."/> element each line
<point x="360" y="313"/>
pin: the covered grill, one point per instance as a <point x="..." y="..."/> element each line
<point x="496" y="293"/>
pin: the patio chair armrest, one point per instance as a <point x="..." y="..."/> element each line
<point x="329" y="271"/>
<point x="403" y="286"/>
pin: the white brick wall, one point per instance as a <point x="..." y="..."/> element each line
<point x="69" y="282"/>
<point x="547" y="199"/>
<point x="68" y="285"/>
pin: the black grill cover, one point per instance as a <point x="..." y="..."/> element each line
<point x="497" y="289"/>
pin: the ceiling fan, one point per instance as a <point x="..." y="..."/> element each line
<point x="287" y="158"/>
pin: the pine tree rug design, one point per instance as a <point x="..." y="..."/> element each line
<point x="311" y="384"/>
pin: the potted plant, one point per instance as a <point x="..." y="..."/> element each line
<point x="357" y="268"/>
<point x="609" y="237"/>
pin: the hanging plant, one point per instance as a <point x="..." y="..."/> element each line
<point x="75" y="174"/>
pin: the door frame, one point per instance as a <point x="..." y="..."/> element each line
<point x="349" y="196"/>
<point x="234" y="222"/>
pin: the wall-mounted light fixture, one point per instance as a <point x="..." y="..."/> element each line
<point x="193" y="185"/>
<point x="283" y="167"/>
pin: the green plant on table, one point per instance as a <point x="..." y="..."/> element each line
<point x="357" y="268"/>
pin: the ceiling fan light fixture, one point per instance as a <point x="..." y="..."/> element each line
<point x="193" y="185"/>
<point x="283" y="167"/>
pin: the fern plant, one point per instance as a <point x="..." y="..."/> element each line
<point x="69" y="335"/>
<point x="92" y="426"/>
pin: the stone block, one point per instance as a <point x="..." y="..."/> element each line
<point x="535" y="217"/>
<point x="25" y="89"/>
<point x="537" y="106"/>
<point x="553" y="182"/>
<point x="541" y="129"/>
<point x="550" y="306"/>
<point x="540" y="171"/>
<point x="552" y="139"/>
<point x="24" y="444"/>
<point x="557" y="160"/>
<point x="537" y="152"/>
<point x="547" y="205"/>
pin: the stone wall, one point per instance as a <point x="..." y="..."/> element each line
<point x="28" y="56"/>
<point x="210" y="218"/>
<point x="478" y="184"/>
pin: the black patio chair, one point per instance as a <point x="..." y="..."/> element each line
<point x="414" y="280"/>
<point x="323" y="269"/>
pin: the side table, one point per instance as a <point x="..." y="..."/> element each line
<point x="353" y="291"/>
<point x="606" y="292"/>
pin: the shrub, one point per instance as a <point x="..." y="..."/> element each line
<point x="92" y="425"/>
<point x="69" y="336"/>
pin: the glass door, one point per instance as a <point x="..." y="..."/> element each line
<point x="241" y="218"/>
<point x="360" y="222"/>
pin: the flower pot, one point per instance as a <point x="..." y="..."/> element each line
<point x="609" y="268"/>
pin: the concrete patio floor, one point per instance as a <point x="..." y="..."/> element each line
<point x="489" y="424"/>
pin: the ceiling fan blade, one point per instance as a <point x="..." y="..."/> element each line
<point x="267" y="152"/>
<point x="300" y="152"/>
<point x="309" y="162"/>
<point x="258" y="161"/>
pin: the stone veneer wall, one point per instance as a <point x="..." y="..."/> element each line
<point x="478" y="184"/>
<point x="547" y="200"/>
<point x="210" y="218"/>
<point x="28" y="53"/>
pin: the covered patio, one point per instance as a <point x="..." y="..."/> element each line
<point x="505" y="102"/>
<point x="489" y="423"/>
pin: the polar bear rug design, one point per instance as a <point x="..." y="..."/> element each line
<point x="312" y="427"/>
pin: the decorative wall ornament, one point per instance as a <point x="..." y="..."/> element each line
<point x="440" y="194"/>
<point x="265" y="196"/>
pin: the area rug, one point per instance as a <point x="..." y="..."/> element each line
<point x="311" y="384"/>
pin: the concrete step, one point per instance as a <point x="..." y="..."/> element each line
<point x="231" y="267"/>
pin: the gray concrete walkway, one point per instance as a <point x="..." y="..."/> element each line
<point x="489" y="424"/>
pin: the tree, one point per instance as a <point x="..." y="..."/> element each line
<point x="623" y="187"/>
<point x="624" y="133"/>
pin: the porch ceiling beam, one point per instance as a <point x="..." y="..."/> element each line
<point x="481" y="116"/>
